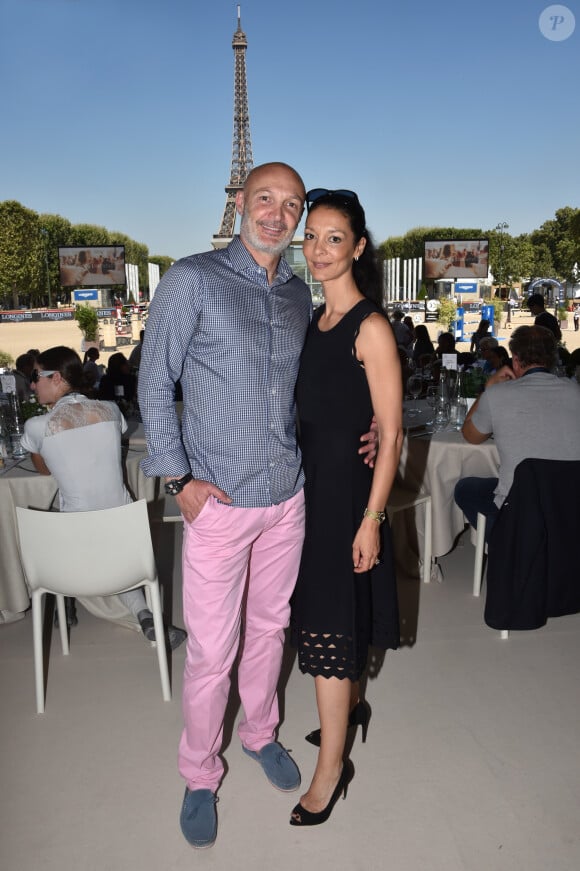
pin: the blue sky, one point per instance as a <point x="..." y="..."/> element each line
<point x="119" y="112"/>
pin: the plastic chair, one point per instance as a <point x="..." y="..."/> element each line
<point x="58" y="556"/>
<point x="480" y="549"/>
<point x="400" y="500"/>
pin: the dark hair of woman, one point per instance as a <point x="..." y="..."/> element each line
<point x="365" y="270"/>
<point x="91" y="354"/>
<point x="422" y="334"/>
<point x="117" y="365"/>
<point x="68" y="363"/>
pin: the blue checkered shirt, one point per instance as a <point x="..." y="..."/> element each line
<point x="234" y="341"/>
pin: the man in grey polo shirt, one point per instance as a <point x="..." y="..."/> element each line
<point x="529" y="411"/>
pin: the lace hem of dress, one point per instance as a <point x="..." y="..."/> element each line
<point x="327" y="654"/>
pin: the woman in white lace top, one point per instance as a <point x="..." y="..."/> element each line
<point x="79" y="443"/>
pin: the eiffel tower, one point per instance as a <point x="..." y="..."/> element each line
<point x="242" y="161"/>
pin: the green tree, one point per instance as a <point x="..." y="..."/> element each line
<point x="543" y="265"/>
<point x="21" y="253"/>
<point x="56" y="232"/>
<point x="512" y="263"/>
<point x="559" y="235"/>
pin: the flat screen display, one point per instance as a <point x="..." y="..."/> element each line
<point x="92" y="266"/>
<point x="456" y="258"/>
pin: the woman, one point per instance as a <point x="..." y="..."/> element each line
<point x="498" y="357"/>
<point x="345" y="596"/>
<point x="481" y="331"/>
<point x="118" y="382"/>
<point x="79" y="443"/>
<point x="90" y="368"/>
<point x="423" y="345"/>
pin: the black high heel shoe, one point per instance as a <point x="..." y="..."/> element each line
<point x="301" y="817"/>
<point x="359" y="716"/>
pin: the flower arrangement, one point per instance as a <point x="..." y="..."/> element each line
<point x="32" y="408"/>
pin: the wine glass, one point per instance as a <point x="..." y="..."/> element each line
<point x="431" y="398"/>
<point x="414" y="388"/>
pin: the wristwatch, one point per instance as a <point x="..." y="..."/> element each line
<point x="172" y="488"/>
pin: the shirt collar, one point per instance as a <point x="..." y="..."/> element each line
<point x="534" y="370"/>
<point x="242" y="261"/>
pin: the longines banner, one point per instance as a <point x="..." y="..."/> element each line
<point x="16" y="317"/>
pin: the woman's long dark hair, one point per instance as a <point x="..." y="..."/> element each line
<point x="68" y="363"/>
<point x="365" y="270"/>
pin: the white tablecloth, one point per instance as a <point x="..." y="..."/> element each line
<point x="433" y="464"/>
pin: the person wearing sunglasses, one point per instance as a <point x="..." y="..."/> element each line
<point x="345" y="597"/>
<point x="79" y="443"/>
<point x="230" y="325"/>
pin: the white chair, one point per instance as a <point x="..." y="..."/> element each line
<point x="480" y="549"/>
<point x="61" y="554"/>
<point x="400" y="500"/>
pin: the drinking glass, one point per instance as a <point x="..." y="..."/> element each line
<point x="441" y="417"/>
<point x="431" y="398"/>
<point x="414" y="388"/>
<point x="457" y="412"/>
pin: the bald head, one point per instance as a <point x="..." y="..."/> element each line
<point x="271" y="205"/>
<point x="265" y="170"/>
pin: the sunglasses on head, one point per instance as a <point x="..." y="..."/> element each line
<point x="36" y="374"/>
<point x="319" y="193"/>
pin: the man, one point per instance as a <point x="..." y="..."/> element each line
<point x="135" y="355"/>
<point x="24" y="366"/>
<point x="529" y="411"/>
<point x="230" y="325"/>
<point x="403" y="335"/>
<point x="542" y="317"/>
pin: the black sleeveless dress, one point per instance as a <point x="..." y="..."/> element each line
<point x="336" y="613"/>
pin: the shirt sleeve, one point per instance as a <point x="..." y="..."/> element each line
<point x="481" y="417"/>
<point x="34" y="434"/>
<point x="173" y="315"/>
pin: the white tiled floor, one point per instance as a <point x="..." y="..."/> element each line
<point x="471" y="761"/>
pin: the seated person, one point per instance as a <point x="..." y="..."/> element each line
<point x="90" y="368"/>
<point x="24" y="366"/>
<point x="529" y="411"/>
<point x="445" y="345"/>
<point x="423" y="345"/>
<point x="79" y="443"/>
<point x="498" y="357"/>
<point x="408" y="321"/>
<point x="118" y="382"/>
<point x="486" y="346"/>
<point x="403" y="335"/>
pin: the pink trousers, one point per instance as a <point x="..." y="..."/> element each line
<point x="239" y="571"/>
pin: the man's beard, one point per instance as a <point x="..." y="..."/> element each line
<point x="249" y="235"/>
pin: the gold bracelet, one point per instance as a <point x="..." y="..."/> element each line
<point x="379" y="516"/>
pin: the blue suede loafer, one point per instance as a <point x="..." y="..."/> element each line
<point x="198" y="818"/>
<point x="279" y="768"/>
